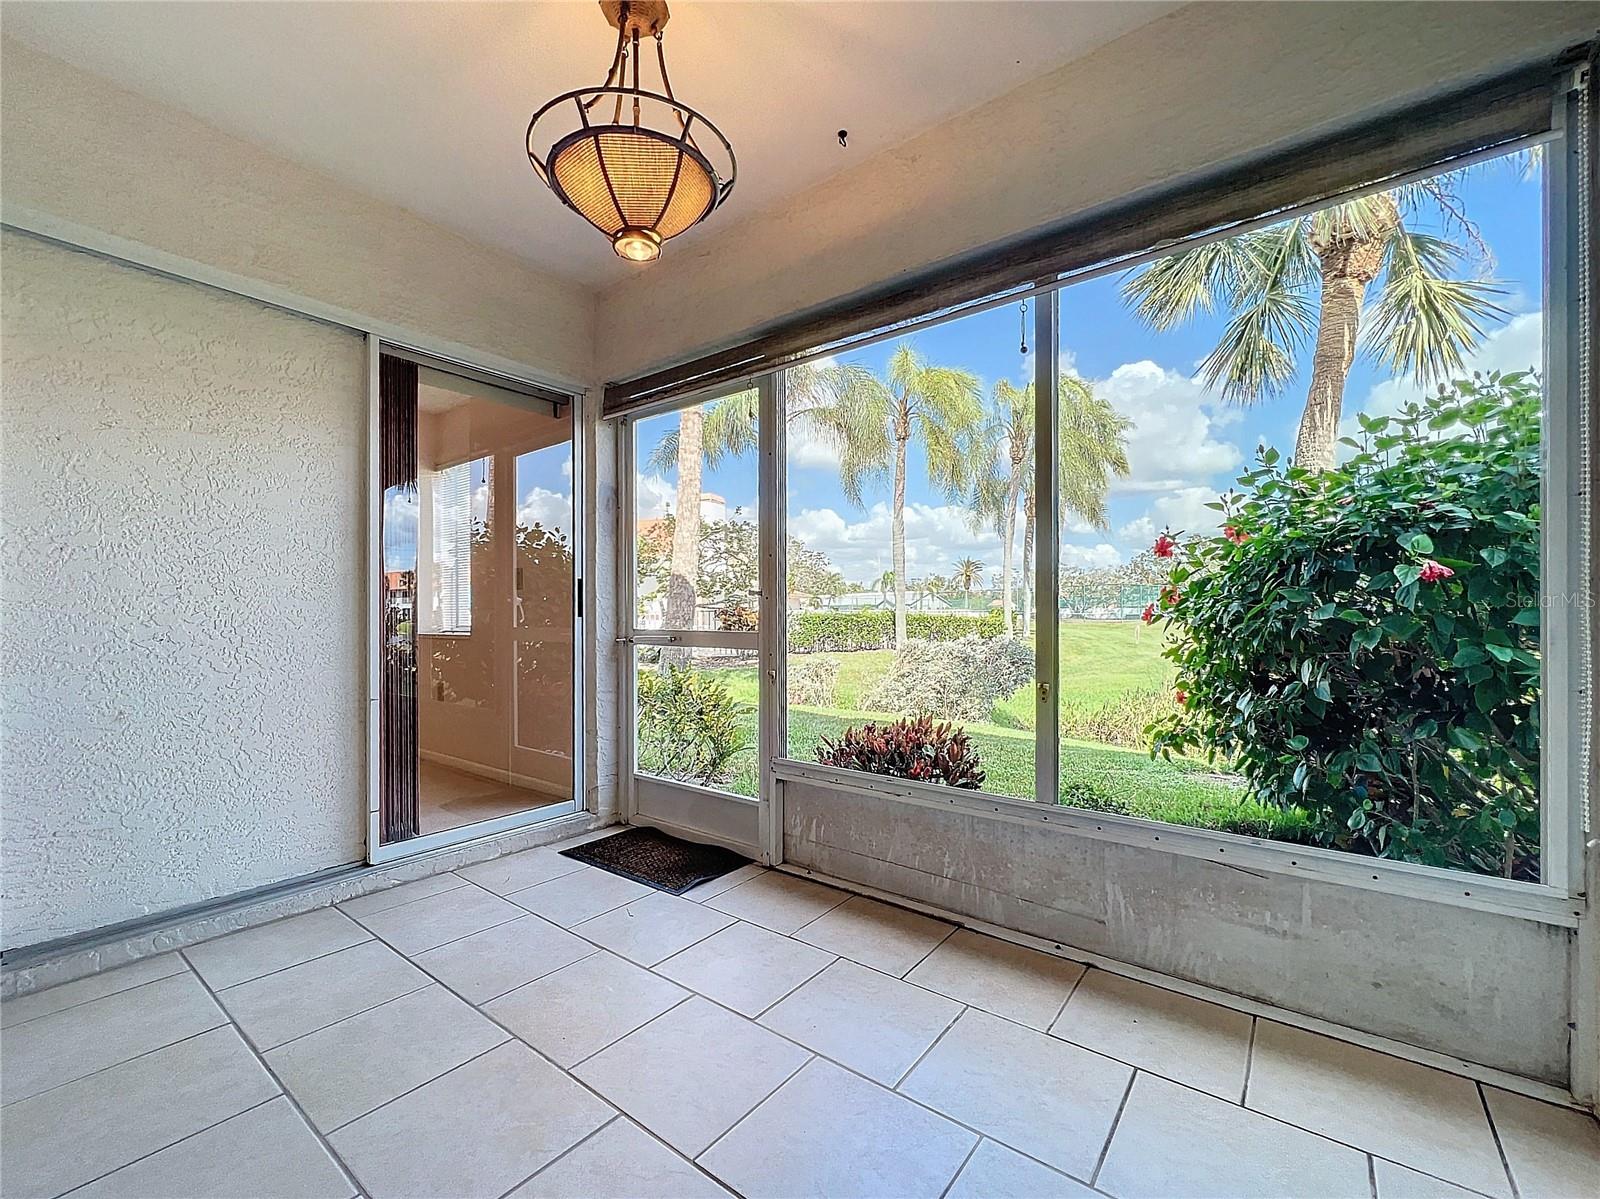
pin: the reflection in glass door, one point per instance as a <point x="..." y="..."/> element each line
<point x="479" y="620"/>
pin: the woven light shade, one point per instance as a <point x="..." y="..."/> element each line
<point x="643" y="180"/>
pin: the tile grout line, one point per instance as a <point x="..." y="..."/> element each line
<point x="173" y="1145"/>
<point x="756" y="1106"/>
<point x="1249" y="1062"/>
<point x="96" y="998"/>
<point x="725" y="1184"/>
<point x="1494" y="1131"/>
<point x="103" y="1069"/>
<point x="1105" y="1149"/>
<point x="1060" y="1011"/>
<point x="266" y="1049"/>
<point x="460" y="882"/>
<point x="895" y="1090"/>
<point x="411" y="1090"/>
<point x="733" y="921"/>
<point x="923" y="1056"/>
<point x="570" y="1149"/>
<point x="526" y="982"/>
<point x="512" y="1036"/>
<point x="964" y="1009"/>
<point x="971" y="1153"/>
<point x="294" y="1102"/>
<point x="906" y="977"/>
<point x="589" y="1056"/>
<point x="756" y="1019"/>
<point x="184" y="952"/>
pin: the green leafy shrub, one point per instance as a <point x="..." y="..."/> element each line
<point x="814" y="680"/>
<point x="913" y="748"/>
<point x="1120" y="720"/>
<point x="956" y="680"/>
<point x="1364" y="641"/>
<point x="843" y="632"/>
<point x="690" y="728"/>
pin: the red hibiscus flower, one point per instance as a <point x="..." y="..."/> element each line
<point x="1149" y="613"/>
<point x="1164" y="546"/>
<point x="1235" y="535"/>
<point x="1169" y="596"/>
<point x="1432" y="571"/>
<point x="1181" y="696"/>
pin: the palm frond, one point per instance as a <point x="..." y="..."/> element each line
<point x="1273" y="318"/>
<point x="730" y="427"/>
<point x="847" y="408"/>
<point x="1173" y="289"/>
<point x="1424" y="322"/>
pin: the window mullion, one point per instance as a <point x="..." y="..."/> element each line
<point x="1047" y="578"/>
<point x="773" y="621"/>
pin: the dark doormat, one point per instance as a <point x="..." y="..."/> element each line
<point x="650" y="856"/>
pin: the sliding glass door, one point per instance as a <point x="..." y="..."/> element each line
<point x="478" y="614"/>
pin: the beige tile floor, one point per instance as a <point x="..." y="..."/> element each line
<point x="532" y="1028"/>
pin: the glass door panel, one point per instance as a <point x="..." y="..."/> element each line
<point x="479" y="615"/>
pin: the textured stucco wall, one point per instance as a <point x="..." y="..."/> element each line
<point x="183" y="523"/>
<point x="82" y="150"/>
<point x="1206" y="85"/>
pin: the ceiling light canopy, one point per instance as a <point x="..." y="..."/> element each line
<point x="656" y="168"/>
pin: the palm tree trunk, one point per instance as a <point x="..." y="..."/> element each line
<point x="1338" y="326"/>
<point x="1027" y="566"/>
<point x="897" y="538"/>
<point x="1008" y="554"/>
<point x="1349" y="257"/>
<point x="685" y="531"/>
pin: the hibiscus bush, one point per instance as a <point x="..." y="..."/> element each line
<point x="1363" y="642"/>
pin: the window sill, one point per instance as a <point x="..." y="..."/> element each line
<point x="1527" y="901"/>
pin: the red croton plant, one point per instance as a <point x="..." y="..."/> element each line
<point x="916" y="747"/>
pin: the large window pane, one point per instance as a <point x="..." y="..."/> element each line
<point x="1317" y="584"/>
<point x="488" y="533"/>
<point x="910" y="523"/>
<point x="695" y="552"/>
<point x="696" y="716"/>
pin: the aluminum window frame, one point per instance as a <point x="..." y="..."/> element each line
<point x="524" y="385"/>
<point x="630" y="636"/>
<point x="1559" y="895"/>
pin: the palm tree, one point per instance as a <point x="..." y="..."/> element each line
<point x="968" y="572"/>
<point x="1092" y="447"/>
<point x="1305" y="281"/>
<point x="942" y="405"/>
<point x="884" y="583"/>
<point x="822" y="398"/>
<point x="685" y="567"/>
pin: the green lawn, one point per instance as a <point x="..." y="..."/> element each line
<point x="1101" y="661"/>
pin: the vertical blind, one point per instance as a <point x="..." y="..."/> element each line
<point x="447" y="559"/>
<point x="397" y="700"/>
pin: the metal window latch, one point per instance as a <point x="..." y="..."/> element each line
<point x="1044" y="693"/>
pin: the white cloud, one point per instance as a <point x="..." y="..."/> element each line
<point x="1090" y="557"/>
<point x="552" y="509"/>
<point x="805" y="448"/>
<point x="1518" y="345"/>
<point x="653" y="495"/>
<point x="936" y="538"/>
<point x="1183" y="511"/>
<point x="1172" y="443"/>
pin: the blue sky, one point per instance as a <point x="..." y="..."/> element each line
<point x="1187" y="445"/>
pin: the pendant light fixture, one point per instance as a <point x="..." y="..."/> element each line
<point x="640" y="166"/>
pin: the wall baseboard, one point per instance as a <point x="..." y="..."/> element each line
<point x="47" y="964"/>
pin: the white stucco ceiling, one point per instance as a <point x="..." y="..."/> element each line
<point x="425" y="104"/>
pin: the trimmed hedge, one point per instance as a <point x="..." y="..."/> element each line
<point x="841" y="632"/>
